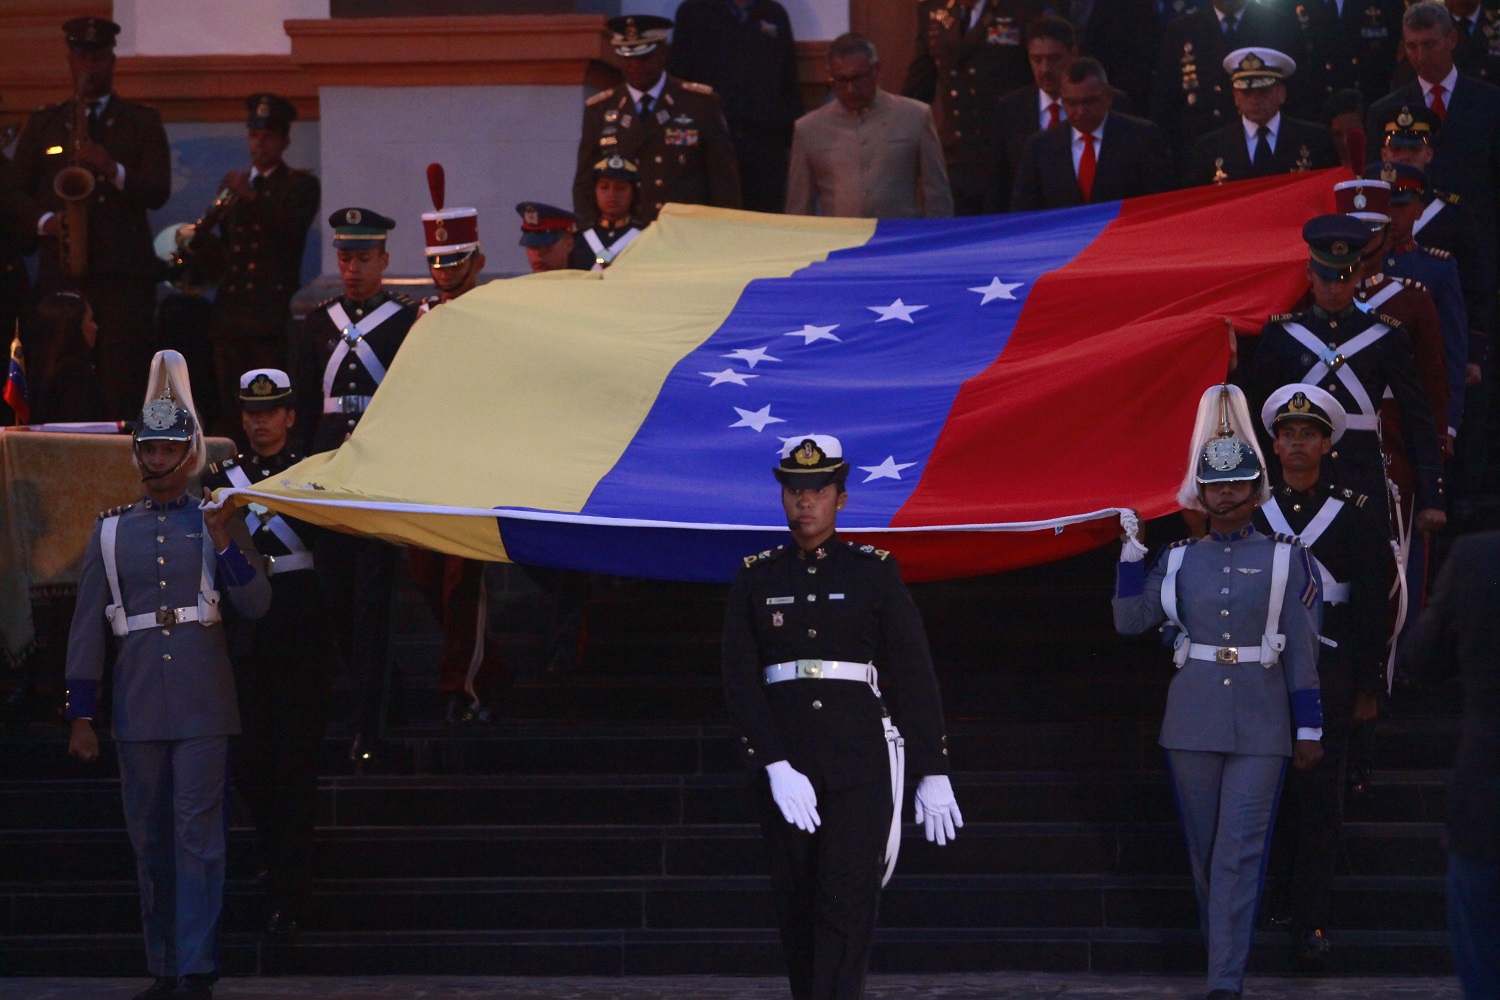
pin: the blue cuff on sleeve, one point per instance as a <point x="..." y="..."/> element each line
<point x="1130" y="578"/>
<point x="1307" y="709"/>
<point x="235" y="567"/>
<point x="81" y="698"/>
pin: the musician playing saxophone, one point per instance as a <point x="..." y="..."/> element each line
<point x="124" y="146"/>
<point x="262" y="236"/>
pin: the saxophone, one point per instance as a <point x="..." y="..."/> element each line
<point x="74" y="185"/>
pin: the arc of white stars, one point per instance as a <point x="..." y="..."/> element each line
<point x="756" y="419"/>
<point x="751" y="356"/>
<point x="810" y="333"/>
<point x="997" y="289"/>
<point x="728" y="375"/>
<point x="896" y="310"/>
<point x="889" y="469"/>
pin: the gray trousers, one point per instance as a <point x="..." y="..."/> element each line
<point x="174" y="813"/>
<point x="1227" y="803"/>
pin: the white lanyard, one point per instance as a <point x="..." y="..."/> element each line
<point x="1380" y="298"/>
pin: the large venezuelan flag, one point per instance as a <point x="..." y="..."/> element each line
<point x="1003" y="386"/>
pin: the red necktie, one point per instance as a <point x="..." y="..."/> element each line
<point x="1438" y="107"/>
<point x="1086" y="165"/>
<point x="1053" y="116"/>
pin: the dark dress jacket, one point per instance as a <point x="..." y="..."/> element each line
<point x="1300" y="145"/>
<point x="1132" y="162"/>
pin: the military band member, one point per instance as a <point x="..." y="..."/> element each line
<point x="283" y="663"/>
<point x="616" y="188"/>
<point x="824" y="650"/>
<point x="1261" y="141"/>
<point x="342" y="352"/>
<point x="547" y="235"/>
<point x="1245" y="647"/>
<point x="453" y="587"/>
<point x="673" y="129"/>
<point x="126" y="154"/>
<point x="264" y="234"/>
<point x="154" y="576"/>
<point x="1353" y="559"/>
<point x="969" y="56"/>
<point x="1355" y="356"/>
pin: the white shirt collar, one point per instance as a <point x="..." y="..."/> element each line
<point x="1448" y="83"/>
<point x="655" y="92"/>
<point x="255" y="172"/>
<point x="1251" y="129"/>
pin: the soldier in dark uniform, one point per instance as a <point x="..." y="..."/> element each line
<point x="154" y="576"/>
<point x="969" y="56"/>
<point x="263" y="234"/>
<point x="1260" y="141"/>
<point x="283" y="663"/>
<point x="126" y="152"/>
<point x="1353" y="559"/>
<point x="1478" y="50"/>
<point x="1190" y="93"/>
<point x="469" y="666"/>
<point x="616" y="188"/>
<point x="823" y="650"/>
<point x="744" y="50"/>
<point x="1245" y="647"/>
<point x="341" y="353"/>
<point x="673" y="129"/>
<point x="547" y="236"/>
<point x="1353" y="44"/>
<point x="1355" y="356"/>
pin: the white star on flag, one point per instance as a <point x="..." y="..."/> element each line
<point x="751" y="356"/>
<point x="896" y="310"/>
<point x="889" y="469"/>
<point x="728" y="375"/>
<point x="812" y="333"/>
<point x="756" y="418"/>
<point x="997" y="289"/>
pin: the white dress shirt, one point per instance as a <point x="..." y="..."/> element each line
<point x="1078" y="145"/>
<point x="1251" y="138"/>
<point x="1043" y="102"/>
<point x="655" y="92"/>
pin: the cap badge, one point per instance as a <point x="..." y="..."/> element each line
<point x="263" y="109"/>
<point x="1340" y="248"/>
<point x="353" y="216"/>
<point x="531" y="216"/>
<point x="441" y="233"/>
<point x="262" y="385"/>
<point x="632" y="33"/>
<point x="1252" y="62"/>
<point x="159" y="414"/>
<point x="1299" y="403"/>
<point x="809" y="454"/>
<point x="1388" y="173"/>
<point x="1360" y="201"/>
<point x="1222" y="453"/>
<point x="1404" y="119"/>
<point x="617" y="162"/>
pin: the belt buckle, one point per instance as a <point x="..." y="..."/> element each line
<point x="809" y="669"/>
<point x="351" y="404"/>
<point x="1228" y="654"/>
<point x="351" y="335"/>
<point x="166" y="616"/>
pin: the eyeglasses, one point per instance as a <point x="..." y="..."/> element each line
<point x="852" y="80"/>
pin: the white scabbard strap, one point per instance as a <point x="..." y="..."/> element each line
<point x="896" y="749"/>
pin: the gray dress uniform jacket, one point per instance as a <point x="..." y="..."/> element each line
<point x="171" y="682"/>
<point x="1223" y="595"/>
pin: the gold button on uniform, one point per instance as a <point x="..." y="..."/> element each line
<point x="816" y="704"/>
<point x="812" y="633"/>
<point x="1226" y="682"/>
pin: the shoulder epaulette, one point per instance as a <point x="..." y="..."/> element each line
<point x="697" y="88"/>
<point x="1346" y="494"/>
<point x="761" y="557"/>
<point x="326" y="302"/>
<point x="223" y="465"/>
<point x="1439" y="254"/>
<point x="1181" y="542"/>
<point x="403" y="298"/>
<point x="1277" y="536"/>
<point x="114" y="511"/>
<point x="1410" y="283"/>
<point x="868" y="550"/>
<point x="603" y="95"/>
<point x="1281" y="317"/>
<point x="1391" y="321"/>
<point x="1450" y="197"/>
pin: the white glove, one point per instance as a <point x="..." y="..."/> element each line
<point x="794" y="795"/>
<point x="937" y="809"/>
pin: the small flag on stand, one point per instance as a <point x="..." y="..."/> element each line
<point x="15" y="382"/>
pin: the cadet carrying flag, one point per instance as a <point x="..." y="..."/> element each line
<point x="1003" y="386"/>
<point x="16" y="394"/>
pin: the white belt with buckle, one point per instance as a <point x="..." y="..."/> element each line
<point x="346" y="404"/>
<point x="1224" y="654"/>
<point x="820" y="670"/>
<point x="276" y="565"/>
<point x="161" y="619"/>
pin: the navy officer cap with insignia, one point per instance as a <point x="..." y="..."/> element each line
<point x="1412" y="127"/>
<point x="636" y="35"/>
<point x="90" y="34"/>
<point x="1334" y="243"/>
<point x="810" y="461"/>
<point x="272" y="113"/>
<point x="1256" y="68"/>
<point x="543" y="225"/>
<point x="265" y="389"/>
<point x="359" y="229"/>
<point x="1407" y="182"/>
<point x="1302" y="401"/>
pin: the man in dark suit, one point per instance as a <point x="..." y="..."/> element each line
<point x="1262" y="141"/>
<point x="1116" y="32"/>
<point x="1353" y="45"/>
<point x="1466" y="154"/>
<point x="1096" y="156"/>
<point x="1191" y="92"/>
<point x="1459" y="633"/>
<point x="127" y="155"/>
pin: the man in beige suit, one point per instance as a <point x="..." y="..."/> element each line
<point x="869" y="154"/>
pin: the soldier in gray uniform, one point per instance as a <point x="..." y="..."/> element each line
<point x="153" y="575"/>
<point x="1243" y="611"/>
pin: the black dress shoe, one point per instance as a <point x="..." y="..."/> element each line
<point x="1310" y="953"/>
<point x="1223" y="995"/>
<point x="282" y="925"/>
<point x="199" y="986"/>
<point x="158" y="990"/>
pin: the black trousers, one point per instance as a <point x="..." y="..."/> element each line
<point x="283" y="686"/>
<point x="125" y="309"/>
<point x="358" y="579"/>
<point x="826" y="886"/>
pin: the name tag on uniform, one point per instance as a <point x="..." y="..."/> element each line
<point x="835" y="597"/>
<point x="781" y="600"/>
<point x="195" y="534"/>
<point x="1247" y="570"/>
